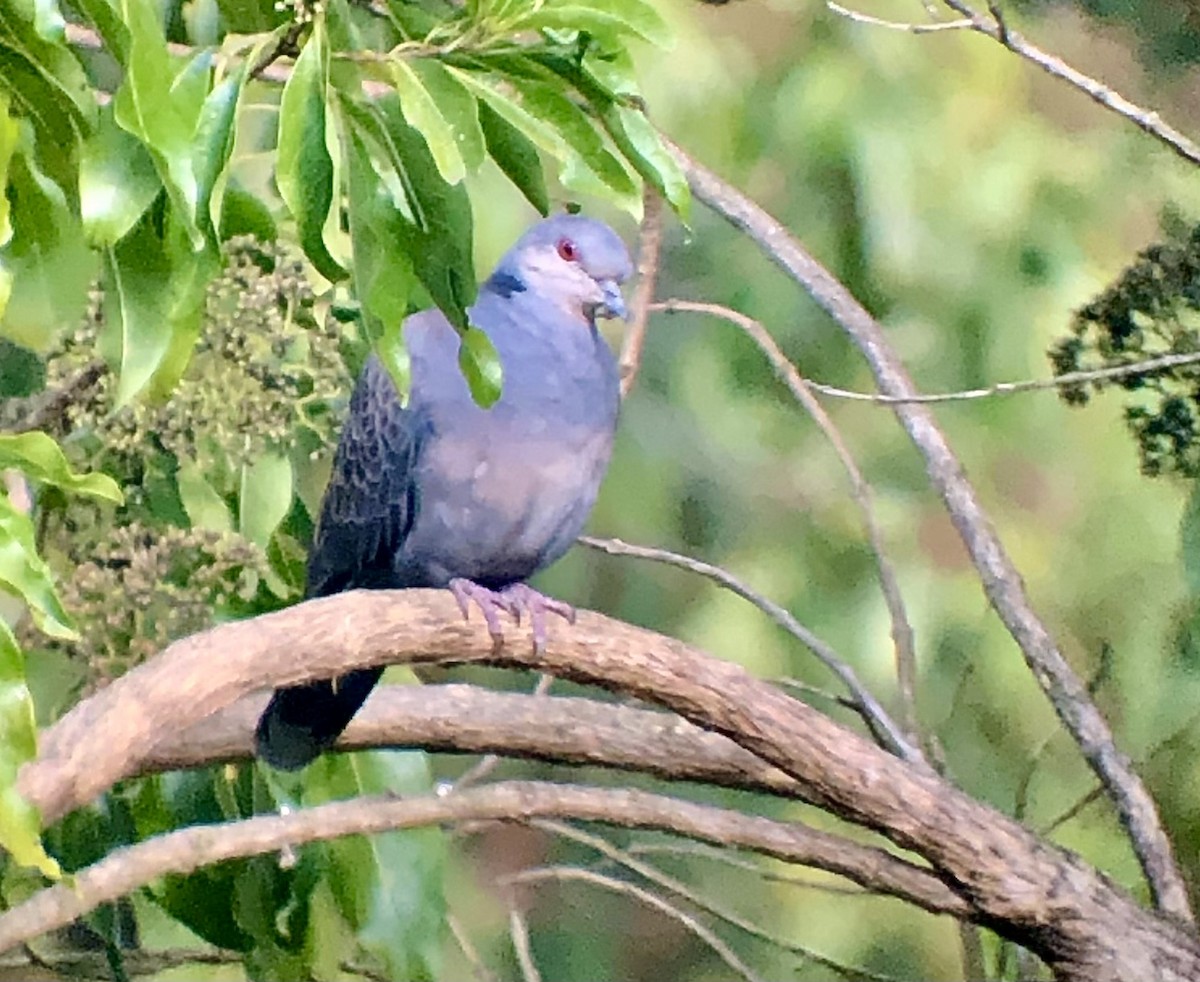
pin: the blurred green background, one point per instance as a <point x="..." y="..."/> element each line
<point x="972" y="203"/>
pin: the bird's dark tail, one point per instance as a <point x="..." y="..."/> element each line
<point x="301" y="723"/>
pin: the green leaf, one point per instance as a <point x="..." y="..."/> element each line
<point x="20" y="824"/>
<point x="304" y="167"/>
<point x="480" y="365"/>
<point x="265" y="497"/>
<point x="205" y="508"/>
<point x="213" y="142"/>
<point x="516" y="156"/>
<point x="243" y="213"/>
<point x="558" y="126"/>
<point x="609" y="20"/>
<point x="111" y="28"/>
<point x="389" y="886"/>
<point x="24" y="574"/>
<point x="458" y="107"/>
<point x="46" y="264"/>
<point x="423" y="115"/>
<point x="383" y="273"/>
<point x="38" y="456"/>
<point x="9" y="131"/>
<point x="149" y="106"/>
<point x="117" y="181"/>
<point x="586" y="150"/>
<point x="42" y="74"/>
<point x="537" y="131"/>
<point x="643" y="147"/>
<point x="191" y="273"/>
<point x="435" y="229"/>
<point x="252" y="16"/>
<point x="137" y="330"/>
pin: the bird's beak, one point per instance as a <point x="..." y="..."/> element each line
<point x="613" y="304"/>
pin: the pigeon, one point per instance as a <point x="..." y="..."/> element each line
<point x="444" y="493"/>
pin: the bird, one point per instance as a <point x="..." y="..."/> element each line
<point x="443" y="493"/>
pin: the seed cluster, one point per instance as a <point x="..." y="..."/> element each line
<point x="266" y="374"/>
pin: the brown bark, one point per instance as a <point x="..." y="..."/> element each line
<point x="1041" y="896"/>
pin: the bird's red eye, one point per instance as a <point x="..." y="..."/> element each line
<point x="568" y="250"/>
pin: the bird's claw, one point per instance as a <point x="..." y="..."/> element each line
<point x="516" y="599"/>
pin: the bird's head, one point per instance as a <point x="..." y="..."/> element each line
<point x="575" y="262"/>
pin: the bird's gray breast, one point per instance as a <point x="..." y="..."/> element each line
<point x="499" y="501"/>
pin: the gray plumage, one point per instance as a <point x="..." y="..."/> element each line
<point x="444" y="493"/>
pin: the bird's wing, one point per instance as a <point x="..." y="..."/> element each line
<point x="368" y="507"/>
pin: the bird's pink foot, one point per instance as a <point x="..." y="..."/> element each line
<point x="515" y="599"/>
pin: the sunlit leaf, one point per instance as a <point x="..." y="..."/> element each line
<point x="304" y="167"/>
<point x="9" y="131"/>
<point x="480" y="365"/>
<point x="117" y="181"/>
<point x="137" y="331"/>
<point x="609" y="20"/>
<point x="265" y="497"/>
<point x="46" y="265"/>
<point x="383" y="273"/>
<point x="643" y="147"/>
<point x="437" y="239"/>
<point x="24" y="574"/>
<point x="38" y="456"/>
<point x="20" y="824"/>
<point x="422" y="114"/>
<point x="586" y="147"/>
<point x="459" y="108"/>
<point x="213" y="143"/>
<point x="147" y="106"/>
<point x="205" y="508"/>
<point x="42" y="75"/>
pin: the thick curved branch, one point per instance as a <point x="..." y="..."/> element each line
<point x="125" y="870"/>
<point x="467" y="719"/>
<point x="1001" y="581"/>
<point x="1032" y="892"/>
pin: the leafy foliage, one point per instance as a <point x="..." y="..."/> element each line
<point x="188" y="369"/>
<point x="1152" y="309"/>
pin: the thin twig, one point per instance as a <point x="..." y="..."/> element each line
<point x="1145" y="119"/>
<point x="695" y="849"/>
<point x="719" y="947"/>
<point x="1147" y="367"/>
<point x="519" y="932"/>
<point x="994" y="25"/>
<point x="680" y="889"/>
<point x="469" y="952"/>
<point x="649" y="250"/>
<point x="1000" y="579"/>
<point x="892" y="25"/>
<point x="882" y="726"/>
<point x="860" y="490"/>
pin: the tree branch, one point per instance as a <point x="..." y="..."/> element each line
<point x="1035" y="894"/>
<point x="469" y="720"/>
<point x="1001" y="581"/>
<point x="186" y="850"/>
<point x="649" y="249"/>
